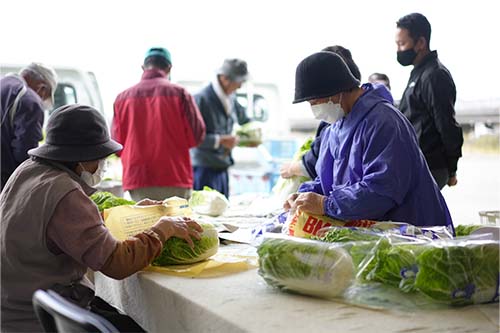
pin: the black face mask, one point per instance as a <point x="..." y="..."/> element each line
<point x="407" y="57"/>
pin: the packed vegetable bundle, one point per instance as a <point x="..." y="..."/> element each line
<point x="454" y="272"/>
<point x="105" y="200"/>
<point x="305" y="266"/>
<point x="177" y="252"/>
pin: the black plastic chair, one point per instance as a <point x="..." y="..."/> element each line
<point x="56" y="314"/>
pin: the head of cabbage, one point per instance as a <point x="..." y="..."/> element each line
<point x="208" y="202"/>
<point x="304" y="266"/>
<point x="177" y="252"/>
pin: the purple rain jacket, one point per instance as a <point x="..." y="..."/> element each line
<point x="370" y="167"/>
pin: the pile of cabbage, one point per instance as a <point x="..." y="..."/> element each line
<point x="105" y="200"/>
<point x="453" y="272"/>
<point x="177" y="252"/>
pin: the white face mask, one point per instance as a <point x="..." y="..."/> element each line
<point x="92" y="179"/>
<point x="47" y="104"/>
<point x="329" y="112"/>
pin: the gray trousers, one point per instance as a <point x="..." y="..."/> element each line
<point x="441" y="177"/>
<point x="160" y="193"/>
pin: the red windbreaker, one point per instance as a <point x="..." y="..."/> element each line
<point x="157" y="122"/>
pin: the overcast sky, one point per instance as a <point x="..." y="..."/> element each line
<point x="111" y="37"/>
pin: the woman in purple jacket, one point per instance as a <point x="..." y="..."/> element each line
<point x="369" y="164"/>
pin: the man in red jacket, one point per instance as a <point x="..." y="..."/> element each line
<point x="157" y="122"/>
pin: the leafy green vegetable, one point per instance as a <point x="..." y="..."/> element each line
<point x="363" y="250"/>
<point x="396" y="265"/>
<point x="105" y="200"/>
<point x="466" y="230"/>
<point x="375" y="258"/>
<point x="284" y="187"/>
<point x="208" y="202"/>
<point x="306" y="267"/>
<point x="342" y="234"/>
<point x="250" y="134"/>
<point x="177" y="252"/>
<point x="459" y="275"/>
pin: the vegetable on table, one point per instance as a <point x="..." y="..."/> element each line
<point x="105" y="200"/>
<point x="177" y="252"/>
<point x="306" y="267"/>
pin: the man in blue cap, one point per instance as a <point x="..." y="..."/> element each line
<point x="370" y="165"/>
<point x="157" y="122"/>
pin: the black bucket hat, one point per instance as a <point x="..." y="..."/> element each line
<point x="320" y="75"/>
<point x="76" y="133"/>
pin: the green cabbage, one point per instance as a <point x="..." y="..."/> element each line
<point x="396" y="265"/>
<point x="342" y="234"/>
<point x="177" y="251"/>
<point x="284" y="187"/>
<point x="376" y="258"/>
<point x="306" y="267"/>
<point x="250" y="134"/>
<point x="466" y="230"/>
<point x="459" y="275"/>
<point x="208" y="202"/>
<point x="105" y="200"/>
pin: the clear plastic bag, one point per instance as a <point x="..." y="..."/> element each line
<point x="391" y="270"/>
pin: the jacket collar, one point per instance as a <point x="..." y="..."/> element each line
<point x="432" y="56"/>
<point x="363" y="105"/>
<point x="216" y="100"/>
<point x="153" y="74"/>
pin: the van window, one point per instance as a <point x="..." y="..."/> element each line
<point x="65" y="94"/>
<point x="260" y="110"/>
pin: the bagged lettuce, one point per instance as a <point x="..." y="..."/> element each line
<point x="460" y="274"/>
<point x="208" y="202"/>
<point x="177" y="252"/>
<point x="105" y="200"/>
<point x="305" y="266"/>
<point x="466" y="229"/>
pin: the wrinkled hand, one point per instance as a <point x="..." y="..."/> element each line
<point x="288" y="204"/>
<point x="308" y="202"/>
<point x="452" y="181"/>
<point x="228" y="141"/>
<point x="290" y="169"/>
<point x="181" y="227"/>
<point x="148" y="202"/>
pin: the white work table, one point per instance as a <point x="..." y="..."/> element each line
<point x="243" y="302"/>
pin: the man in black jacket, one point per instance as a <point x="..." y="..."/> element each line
<point x="429" y="99"/>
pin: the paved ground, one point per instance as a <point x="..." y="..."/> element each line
<point x="478" y="187"/>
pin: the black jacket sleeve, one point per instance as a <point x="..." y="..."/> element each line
<point x="440" y="95"/>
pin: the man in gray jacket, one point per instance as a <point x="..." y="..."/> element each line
<point x="219" y="108"/>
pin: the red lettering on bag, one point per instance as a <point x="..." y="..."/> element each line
<point x="360" y="223"/>
<point x="310" y="224"/>
<point x="320" y="225"/>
